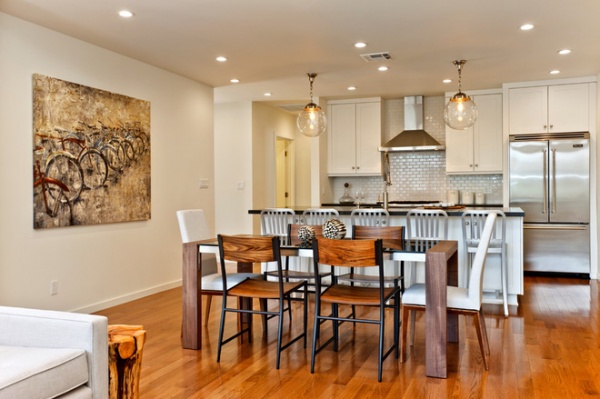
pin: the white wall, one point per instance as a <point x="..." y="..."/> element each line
<point x="233" y="165"/>
<point x="96" y="266"/>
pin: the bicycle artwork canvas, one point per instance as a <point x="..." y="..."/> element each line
<point x="91" y="155"/>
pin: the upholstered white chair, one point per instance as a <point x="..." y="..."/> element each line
<point x="193" y="227"/>
<point x="466" y="301"/>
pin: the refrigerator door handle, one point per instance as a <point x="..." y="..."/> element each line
<point x="545" y="167"/>
<point x="555" y="227"/>
<point x="553" y="180"/>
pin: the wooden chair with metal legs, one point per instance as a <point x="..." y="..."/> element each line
<point x="472" y="222"/>
<point x="466" y="301"/>
<point x="257" y="249"/>
<point x="193" y="227"/>
<point x="353" y="253"/>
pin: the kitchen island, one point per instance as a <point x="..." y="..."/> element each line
<point x="492" y="280"/>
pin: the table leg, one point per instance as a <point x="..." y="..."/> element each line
<point x="441" y="269"/>
<point x="191" y="328"/>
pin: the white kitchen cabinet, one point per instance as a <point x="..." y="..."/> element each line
<point x="354" y="136"/>
<point x="549" y="109"/>
<point x="478" y="149"/>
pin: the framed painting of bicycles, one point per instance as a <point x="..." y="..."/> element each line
<point x="91" y="155"/>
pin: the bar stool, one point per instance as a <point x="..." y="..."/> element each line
<point x="318" y="215"/>
<point x="472" y="227"/>
<point x="370" y="217"/>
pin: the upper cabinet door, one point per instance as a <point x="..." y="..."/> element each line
<point x="568" y="108"/>
<point x="354" y="137"/>
<point x="368" y="138"/>
<point x="487" y="142"/>
<point x="528" y="110"/>
<point x="342" y="143"/>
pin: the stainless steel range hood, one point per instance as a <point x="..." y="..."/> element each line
<point x="413" y="137"/>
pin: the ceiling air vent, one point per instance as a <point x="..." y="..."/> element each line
<point x="373" y="57"/>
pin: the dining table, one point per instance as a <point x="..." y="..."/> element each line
<point x="441" y="269"/>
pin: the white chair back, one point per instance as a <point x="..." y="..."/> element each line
<point x="370" y="217"/>
<point x="193" y="227"/>
<point x="475" y="288"/>
<point x="275" y="221"/>
<point x="318" y="215"/>
<point x="427" y="224"/>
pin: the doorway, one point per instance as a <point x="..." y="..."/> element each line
<point x="283" y="166"/>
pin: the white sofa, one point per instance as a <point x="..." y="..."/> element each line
<point x="49" y="354"/>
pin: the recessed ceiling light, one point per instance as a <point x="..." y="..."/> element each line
<point x="447" y="81"/>
<point x="554" y="72"/>
<point x="564" y="51"/>
<point x="351" y="88"/>
<point x="383" y="68"/>
<point x="267" y="94"/>
<point x="527" y="27"/>
<point x="125" y="14"/>
<point x="235" y="80"/>
<point x="221" y="58"/>
<point x="360" y="44"/>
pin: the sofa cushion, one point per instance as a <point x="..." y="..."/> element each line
<point x="31" y="372"/>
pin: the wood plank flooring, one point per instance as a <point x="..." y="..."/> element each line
<point x="549" y="347"/>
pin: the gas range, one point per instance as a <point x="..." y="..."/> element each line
<point x="410" y="204"/>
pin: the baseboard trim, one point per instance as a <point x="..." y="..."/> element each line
<point x="128" y="298"/>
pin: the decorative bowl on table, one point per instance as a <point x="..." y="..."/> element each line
<point x="334" y="229"/>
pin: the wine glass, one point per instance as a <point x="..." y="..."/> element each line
<point x="359" y="194"/>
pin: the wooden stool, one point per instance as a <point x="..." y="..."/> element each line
<point x="125" y="347"/>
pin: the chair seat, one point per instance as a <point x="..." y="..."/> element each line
<point x="297" y="274"/>
<point x="457" y="297"/>
<point x="262" y="289"/>
<point x="214" y="282"/>
<point x="349" y="295"/>
<point x="367" y="279"/>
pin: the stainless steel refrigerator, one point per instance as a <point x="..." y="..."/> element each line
<point x="549" y="178"/>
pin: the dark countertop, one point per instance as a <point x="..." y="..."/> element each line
<point x="346" y="210"/>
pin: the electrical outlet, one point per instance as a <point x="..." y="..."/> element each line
<point x="54" y="287"/>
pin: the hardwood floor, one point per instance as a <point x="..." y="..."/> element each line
<point x="548" y="348"/>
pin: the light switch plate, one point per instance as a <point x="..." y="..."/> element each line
<point x="203" y="183"/>
<point x="241" y="185"/>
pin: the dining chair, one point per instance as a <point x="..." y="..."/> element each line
<point x="318" y="215"/>
<point x="370" y="217"/>
<point x="465" y="301"/>
<point x="472" y="222"/>
<point x="256" y="249"/>
<point x="352" y="253"/>
<point x="193" y="227"/>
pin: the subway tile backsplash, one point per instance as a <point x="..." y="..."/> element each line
<point x="419" y="175"/>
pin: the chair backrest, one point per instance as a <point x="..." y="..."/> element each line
<point x="370" y="217"/>
<point x="427" y="224"/>
<point x="348" y="253"/>
<point x="275" y="221"/>
<point x="390" y="235"/>
<point x="472" y="222"/>
<point x="293" y="232"/>
<point x="318" y="215"/>
<point x="475" y="288"/>
<point x="193" y="227"/>
<point x="245" y="248"/>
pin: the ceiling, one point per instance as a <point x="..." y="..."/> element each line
<point x="272" y="44"/>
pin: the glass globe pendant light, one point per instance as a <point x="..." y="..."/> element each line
<point x="460" y="112"/>
<point x="311" y="120"/>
